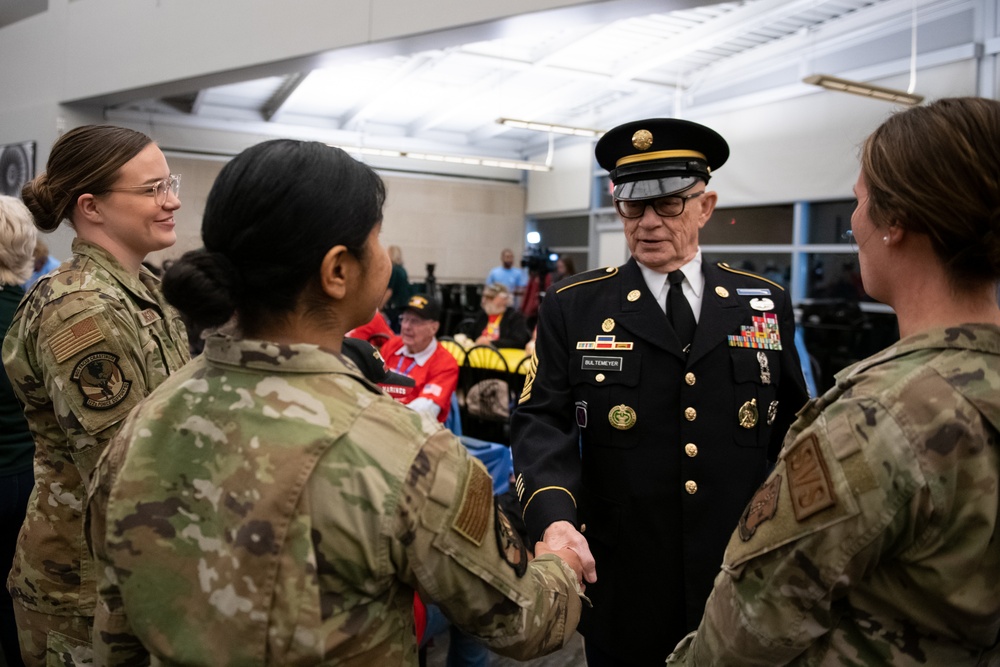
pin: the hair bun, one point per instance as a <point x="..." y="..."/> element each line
<point x="40" y="200"/>
<point x="205" y="286"/>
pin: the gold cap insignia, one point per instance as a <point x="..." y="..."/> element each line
<point x="622" y="417"/>
<point x="642" y="140"/>
<point x="608" y="325"/>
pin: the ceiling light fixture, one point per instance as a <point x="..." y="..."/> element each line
<point x="549" y="127"/>
<point x="469" y="160"/>
<point x="864" y="89"/>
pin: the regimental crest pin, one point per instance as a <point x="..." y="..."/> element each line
<point x="622" y="417"/>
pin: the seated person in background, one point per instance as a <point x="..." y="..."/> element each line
<point x="498" y="324"/>
<point x="376" y="331"/>
<point x="415" y="353"/>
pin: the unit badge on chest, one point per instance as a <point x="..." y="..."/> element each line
<point x="748" y="414"/>
<point x="622" y="417"/>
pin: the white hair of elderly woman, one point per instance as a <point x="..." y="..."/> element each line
<point x="17" y="241"/>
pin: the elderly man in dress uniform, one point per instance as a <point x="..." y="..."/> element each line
<point x="658" y="397"/>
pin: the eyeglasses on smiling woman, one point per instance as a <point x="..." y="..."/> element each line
<point x="667" y="207"/>
<point x="157" y="190"/>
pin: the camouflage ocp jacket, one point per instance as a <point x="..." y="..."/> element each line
<point x="875" y="539"/>
<point x="87" y="343"/>
<point x="267" y="505"/>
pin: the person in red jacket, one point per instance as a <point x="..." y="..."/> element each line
<point x="415" y="353"/>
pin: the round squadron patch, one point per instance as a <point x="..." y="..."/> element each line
<point x="101" y="381"/>
<point x="509" y="542"/>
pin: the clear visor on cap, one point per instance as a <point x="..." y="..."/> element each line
<point x="655" y="187"/>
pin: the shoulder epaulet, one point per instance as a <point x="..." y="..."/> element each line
<point x="726" y="267"/>
<point x="590" y="276"/>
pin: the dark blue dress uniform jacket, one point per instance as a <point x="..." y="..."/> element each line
<point x="657" y="500"/>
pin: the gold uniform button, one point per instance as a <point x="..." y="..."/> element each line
<point x="691" y="449"/>
<point x="599" y="377"/>
<point x="690" y="378"/>
<point x="690" y="414"/>
<point x="691" y="487"/>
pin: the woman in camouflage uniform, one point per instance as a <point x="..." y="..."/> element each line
<point x="268" y="504"/>
<point x="875" y="539"/>
<point x="88" y="341"/>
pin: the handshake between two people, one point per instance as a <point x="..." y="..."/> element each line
<point x="565" y="541"/>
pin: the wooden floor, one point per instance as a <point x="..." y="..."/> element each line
<point x="570" y="656"/>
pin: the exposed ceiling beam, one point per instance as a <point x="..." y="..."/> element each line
<point x="355" y="116"/>
<point x="741" y="21"/>
<point x="277" y="100"/>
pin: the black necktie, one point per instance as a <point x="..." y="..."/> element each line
<point x="679" y="310"/>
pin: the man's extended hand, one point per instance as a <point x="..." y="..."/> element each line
<point x="564" y="535"/>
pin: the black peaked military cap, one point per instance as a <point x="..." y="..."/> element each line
<point x="370" y="363"/>
<point x="659" y="156"/>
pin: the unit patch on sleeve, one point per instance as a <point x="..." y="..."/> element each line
<point x="509" y="543"/>
<point x="101" y="380"/>
<point x="762" y="507"/>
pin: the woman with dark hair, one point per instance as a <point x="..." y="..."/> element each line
<point x="87" y="343"/>
<point x="875" y="539"/>
<point x="269" y="504"/>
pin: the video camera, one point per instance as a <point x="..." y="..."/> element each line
<point x="539" y="259"/>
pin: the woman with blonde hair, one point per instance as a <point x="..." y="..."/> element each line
<point x="17" y="239"/>
<point x="87" y="343"/>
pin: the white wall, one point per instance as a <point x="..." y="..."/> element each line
<point x="567" y="187"/>
<point x="460" y="225"/>
<point x="85" y="49"/>
<point x="807" y="148"/>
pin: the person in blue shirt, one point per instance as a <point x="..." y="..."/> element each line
<point x="513" y="277"/>
<point x="44" y="262"/>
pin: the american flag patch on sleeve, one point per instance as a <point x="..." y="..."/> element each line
<point x="75" y="338"/>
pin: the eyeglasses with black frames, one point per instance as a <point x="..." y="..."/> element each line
<point x="158" y="190"/>
<point x="670" y="206"/>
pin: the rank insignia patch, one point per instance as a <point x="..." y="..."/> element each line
<point x="101" y="380"/>
<point x="809" y="483"/>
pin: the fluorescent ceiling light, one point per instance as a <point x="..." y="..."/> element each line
<point x="469" y="160"/>
<point x="864" y="89"/>
<point x="548" y="127"/>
